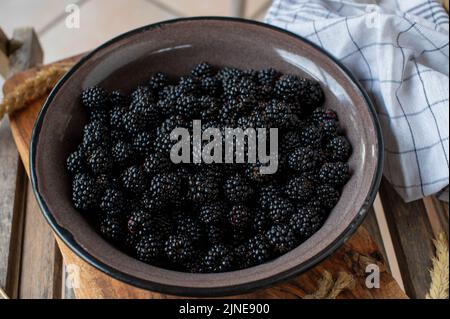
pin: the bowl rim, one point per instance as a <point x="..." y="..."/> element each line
<point x="69" y="241"/>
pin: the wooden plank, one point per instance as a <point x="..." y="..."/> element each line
<point x="412" y="237"/>
<point x="24" y="50"/>
<point x="371" y="225"/>
<point x="437" y="215"/>
<point x="41" y="265"/>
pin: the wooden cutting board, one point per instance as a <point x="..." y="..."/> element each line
<point x="352" y="258"/>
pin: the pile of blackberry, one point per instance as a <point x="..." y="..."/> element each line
<point x="207" y="217"/>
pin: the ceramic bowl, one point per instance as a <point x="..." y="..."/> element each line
<point x="174" y="47"/>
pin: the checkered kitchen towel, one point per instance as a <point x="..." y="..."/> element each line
<point x="399" y="50"/>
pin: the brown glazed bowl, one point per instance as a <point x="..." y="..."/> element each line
<point x="175" y="47"/>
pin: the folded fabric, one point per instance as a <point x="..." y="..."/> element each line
<point x="399" y="51"/>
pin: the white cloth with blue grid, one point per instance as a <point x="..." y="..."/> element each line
<point x="399" y="51"/>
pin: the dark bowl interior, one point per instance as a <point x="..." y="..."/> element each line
<point x="175" y="47"/>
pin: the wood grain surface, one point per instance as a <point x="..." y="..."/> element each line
<point x="352" y="257"/>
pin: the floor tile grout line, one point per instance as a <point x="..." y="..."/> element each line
<point x="47" y="27"/>
<point x="166" y="8"/>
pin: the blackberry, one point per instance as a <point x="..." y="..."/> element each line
<point x="334" y="174"/>
<point x="165" y="186"/>
<point x="94" y="98"/>
<point x="211" y="214"/>
<point x="299" y="188"/>
<point x="327" y="196"/>
<point x="203" y="188"/>
<point x="141" y="97"/>
<point x="242" y="87"/>
<point x="281" y="238"/>
<point x="215" y="234"/>
<point x="239" y="216"/>
<point x="142" y="143"/>
<point x="156" y="163"/>
<point x="189" y="228"/>
<point x="105" y="181"/>
<point x="268" y="194"/>
<point x="188" y="85"/>
<point x="260" y="221"/>
<point x="210" y="86"/>
<point x="303" y="159"/>
<point x="279" y="114"/>
<point x="329" y="128"/>
<point x="267" y="77"/>
<point x="111" y="229"/>
<point x="320" y="115"/>
<point x="75" y="162"/>
<point x="118" y="99"/>
<point x="100" y="115"/>
<point x="133" y="179"/>
<point x="187" y="106"/>
<point x="280" y="209"/>
<point x="338" y="149"/>
<point x="290" y="141"/>
<point x="112" y="202"/>
<point x="311" y="136"/>
<point x="158" y="225"/>
<point x="134" y="122"/>
<point x="149" y="248"/>
<point x="312" y="95"/>
<point x="210" y="109"/>
<point x="289" y="87"/>
<point x="218" y="259"/>
<point x="168" y="99"/>
<point x="228" y="72"/>
<point x="237" y="190"/>
<point x="306" y="221"/>
<point x="122" y="153"/>
<point x="158" y="81"/>
<point x="254" y="173"/>
<point x="178" y="249"/>
<point x="99" y="161"/>
<point x="94" y="134"/>
<point x="137" y="219"/>
<point x="118" y="135"/>
<point x="259" y="250"/>
<point x="203" y="69"/>
<point x="116" y="116"/>
<point x="84" y="192"/>
<point x="152" y="203"/>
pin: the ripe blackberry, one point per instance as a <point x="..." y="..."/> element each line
<point x="133" y="179"/>
<point x="268" y="194"/>
<point x="303" y="159"/>
<point x="243" y="87"/>
<point x="165" y="186"/>
<point x="118" y="99"/>
<point x="137" y="219"/>
<point x="215" y="234"/>
<point x="118" y="135"/>
<point x="334" y="174"/>
<point x="111" y="229"/>
<point x="299" y="188"/>
<point x="289" y="87"/>
<point x="178" y="249"/>
<point x="152" y="203"/>
<point x="187" y="106"/>
<point x="149" y="248"/>
<point x="311" y="136"/>
<point x="267" y="77"/>
<point x="188" y="85"/>
<point x="259" y="249"/>
<point x="338" y="149"/>
<point x="122" y="153"/>
<point x="320" y="115"/>
<point x="134" y="122"/>
<point x="84" y="192"/>
<point x="112" y="202"/>
<point x="280" y="209"/>
<point x="156" y="163"/>
<point x="210" y="86"/>
<point x="239" y="216"/>
<point x="190" y="228"/>
<point x="218" y="259"/>
<point x="105" y="181"/>
<point x="142" y="143"/>
<point x="142" y="96"/>
<point x="203" y="69"/>
<point x="281" y="238"/>
<point x="279" y="114"/>
<point x="116" y="115"/>
<point x="75" y="162"/>
<point x="228" y="72"/>
<point x="94" y="98"/>
<point x="100" y="115"/>
<point x="260" y="221"/>
<point x="211" y="214"/>
<point x="158" y="81"/>
<point x="99" y="161"/>
<point x="236" y="189"/>
<point x="94" y="134"/>
<point x="254" y="173"/>
<point x="210" y="110"/>
<point x="306" y="221"/>
<point x="203" y="188"/>
<point x="327" y="196"/>
<point x="312" y="95"/>
<point x="154" y="224"/>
